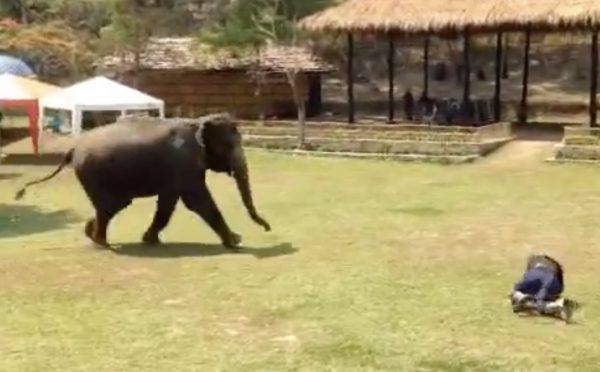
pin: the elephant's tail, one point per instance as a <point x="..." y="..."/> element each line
<point x="66" y="161"/>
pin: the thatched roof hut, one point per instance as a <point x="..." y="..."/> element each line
<point x="194" y="80"/>
<point x="183" y="53"/>
<point x="452" y="17"/>
<point x="544" y="15"/>
<point x="398" y="16"/>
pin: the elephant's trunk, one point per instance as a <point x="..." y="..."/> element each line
<point x="240" y="174"/>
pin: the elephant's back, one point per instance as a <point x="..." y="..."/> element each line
<point x="130" y="157"/>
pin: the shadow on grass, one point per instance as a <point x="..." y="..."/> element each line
<point x="31" y="159"/>
<point x="9" y="176"/>
<point x="419" y="211"/>
<point x="17" y="220"/>
<point x="174" y="250"/>
<point x="458" y="364"/>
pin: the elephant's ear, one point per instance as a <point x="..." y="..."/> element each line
<point x="209" y="126"/>
<point x="199" y="137"/>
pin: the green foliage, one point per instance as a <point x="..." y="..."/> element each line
<point x="252" y="23"/>
<point x="11" y="8"/>
<point x="131" y="24"/>
<point x="128" y="29"/>
<point x="88" y="15"/>
<point x="54" y="49"/>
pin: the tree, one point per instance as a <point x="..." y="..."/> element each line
<point x="128" y="31"/>
<point x="55" y="50"/>
<point x="247" y="26"/>
<point x="15" y="9"/>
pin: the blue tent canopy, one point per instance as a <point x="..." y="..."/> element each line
<point x="14" y="66"/>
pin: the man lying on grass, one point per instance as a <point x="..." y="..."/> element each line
<point x="538" y="292"/>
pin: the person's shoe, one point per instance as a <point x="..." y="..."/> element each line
<point x="567" y="310"/>
<point x="521" y="302"/>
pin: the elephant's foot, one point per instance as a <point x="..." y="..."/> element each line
<point x="151" y="238"/>
<point x="102" y="243"/>
<point x="234" y="241"/>
<point x="90" y="228"/>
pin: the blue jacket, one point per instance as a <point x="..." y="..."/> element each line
<point x="542" y="283"/>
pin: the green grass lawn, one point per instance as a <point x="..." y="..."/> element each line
<point x="370" y="266"/>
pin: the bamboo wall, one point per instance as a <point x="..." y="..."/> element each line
<point x="196" y="93"/>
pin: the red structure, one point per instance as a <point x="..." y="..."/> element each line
<point x="31" y="107"/>
<point x="23" y="93"/>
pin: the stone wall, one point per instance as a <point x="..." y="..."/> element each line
<point x="580" y="144"/>
<point x="444" y="143"/>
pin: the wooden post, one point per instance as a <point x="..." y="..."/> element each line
<point x="523" y="106"/>
<point x="594" y="81"/>
<point x="467" y="62"/>
<point x="350" y="73"/>
<point x="498" y="88"/>
<point x="505" y="57"/>
<point x="391" y="60"/>
<point x="426" y="68"/>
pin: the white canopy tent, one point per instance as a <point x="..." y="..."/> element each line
<point x="99" y="94"/>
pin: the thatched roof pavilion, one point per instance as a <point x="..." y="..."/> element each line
<point x="392" y="19"/>
<point x="451" y="17"/>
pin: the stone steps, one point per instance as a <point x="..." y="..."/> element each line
<point x="369" y="146"/>
<point x="437" y="159"/>
<point x="582" y="141"/>
<point x="356" y="134"/>
<point x="577" y="152"/>
<point x="397" y="127"/>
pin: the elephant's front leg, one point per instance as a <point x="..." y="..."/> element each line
<point x="164" y="210"/>
<point x="200" y="200"/>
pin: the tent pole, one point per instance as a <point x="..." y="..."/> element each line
<point x="350" y="76"/>
<point x="76" y="122"/>
<point x="467" y="62"/>
<point x="426" y="68"/>
<point x="594" y="80"/>
<point x="498" y="87"/>
<point x="391" y="65"/>
<point x="523" y="108"/>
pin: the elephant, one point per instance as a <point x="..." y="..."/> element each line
<point x="168" y="158"/>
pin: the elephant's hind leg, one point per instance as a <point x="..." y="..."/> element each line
<point x="164" y="210"/>
<point x="104" y="213"/>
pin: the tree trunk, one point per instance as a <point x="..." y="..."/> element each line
<point x="23" y="12"/>
<point x="300" y="107"/>
<point x="136" y="68"/>
<point x="301" y="124"/>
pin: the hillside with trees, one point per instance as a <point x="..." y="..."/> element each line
<point x="62" y="39"/>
